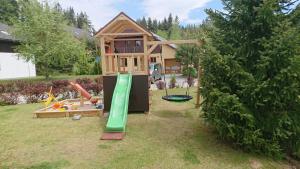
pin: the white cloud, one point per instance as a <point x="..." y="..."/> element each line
<point x="99" y="11"/>
<point x="182" y="8"/>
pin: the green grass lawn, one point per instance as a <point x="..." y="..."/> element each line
<point x="171" y="136"/>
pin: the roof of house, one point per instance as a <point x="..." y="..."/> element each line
<point x="76" y="32"/>
<point x="4" y="33"/>
<point x="79" y="33"/>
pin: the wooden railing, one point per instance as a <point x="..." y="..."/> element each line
<point x="124" y="63"/>
<point x="137" y="49"/>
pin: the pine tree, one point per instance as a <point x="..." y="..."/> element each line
<point x="144" y="22"/>
<point x="81" y="20"/>
<point x="250" y="87"/>
<point x="155" y="25"/>
<point x="169" y="22"/>
<point x="70" y="16"/>
<point x="149" y="24"/>
<point x="165" y="25"/>
<point x="58" y="7"/>
<point x="176" y="20"/>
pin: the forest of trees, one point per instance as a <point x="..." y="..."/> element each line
<point x="49" y="37"/>
<point x="9" y="10"/>
<point x="170" y="28"/>
<point x="78" y="20"/>
<point x="167" y="28"/>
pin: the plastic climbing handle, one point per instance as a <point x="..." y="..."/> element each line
<point x="119" y="105"/>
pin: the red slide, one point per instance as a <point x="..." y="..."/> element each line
<point x="82" y="91"/>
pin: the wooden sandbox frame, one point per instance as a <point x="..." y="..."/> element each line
<point x="43" y="113"/>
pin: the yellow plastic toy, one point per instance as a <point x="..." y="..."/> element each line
<point x="50" y="98"/>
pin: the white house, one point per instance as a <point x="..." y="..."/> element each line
<point x="12" y="66"/>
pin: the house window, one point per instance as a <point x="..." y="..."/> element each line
<point x="123" y="62"/>
<point x="153" y="59"/>
<point x="135" y="62"/>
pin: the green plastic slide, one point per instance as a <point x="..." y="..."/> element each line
<point x="119" y="105"/>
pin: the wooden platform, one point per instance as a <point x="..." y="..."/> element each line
<point x="113" y="136"/>
<point x="87" y="110"/>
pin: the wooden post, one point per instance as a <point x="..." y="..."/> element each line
<point x="198" y="87"/>
<point x="103" y="59"/>
<point x="81" y="100"/>
<point x="139" y="63"/>
<point x="145" y="54"/>
<point x="129" y="64"/>
<point x="118" y="62"/>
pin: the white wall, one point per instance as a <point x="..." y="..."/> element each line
<point x="13" y="67"/>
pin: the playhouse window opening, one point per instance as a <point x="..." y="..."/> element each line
<point x="153" y="59"/>
<point x="135" y="62"/>
<point x="124" y="62"/>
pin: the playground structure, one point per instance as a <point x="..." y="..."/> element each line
<point x="125" y="78"/>
<point x="85" y="106"/>
<point x="128" y="91"/>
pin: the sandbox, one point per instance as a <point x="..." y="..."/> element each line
<point x="86" y="110"/>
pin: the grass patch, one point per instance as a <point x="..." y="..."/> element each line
<point x="190" y="156"/>
<point x="173" y="136"/>
<point x="50" y="165"/>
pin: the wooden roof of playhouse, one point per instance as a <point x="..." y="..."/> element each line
<point x="123" y="25"/>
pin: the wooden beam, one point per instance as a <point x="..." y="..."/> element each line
<point x="198" y="87"/>
<point x="149" y="51"/>
<point x="103" y="59"/>
<point x="139" y="63"/>
<point x="123" y="34"/>
<point x="116" y="26"/>
<point x="145" y="53"/>
<point x="192" y="41"/>
<point x="124" y="54"/>
<point x="130" y="68"/>
<point x="127" y="39"/>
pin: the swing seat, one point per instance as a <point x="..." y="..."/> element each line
<point x="177" y="98"/>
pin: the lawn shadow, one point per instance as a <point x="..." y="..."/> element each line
<point x="50" y="165"/>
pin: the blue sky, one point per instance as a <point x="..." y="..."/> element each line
<point x="101" y="11"/>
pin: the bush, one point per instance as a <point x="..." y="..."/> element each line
<point x="234" y="122"/>
<point x="34" y="93"/>
<point x="189" y="71"/>
<point x="15" y="92"/>
<point x="172" y="83"/>
<point x="160" y="85"/>
<point x="9" y="98"/>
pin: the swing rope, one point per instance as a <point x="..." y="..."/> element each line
<point x="164" y="74"/>
<point x="187" y="92"/>
<point x="189" y="74"/>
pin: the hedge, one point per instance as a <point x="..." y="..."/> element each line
<point x="23" y="91"/>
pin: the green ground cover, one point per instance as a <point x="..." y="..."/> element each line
<point x="171" y="136"/>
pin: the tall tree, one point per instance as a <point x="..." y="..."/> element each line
<point x="44" y="39"/>
<point x="250" y="88"/>
<point x="70" y="16"/>
<point x="58" y="7"/>
<point x="170" y="21"/>
<point x="155" y="25"/>
<point x="149" y="24"/>
<point x="8" y="11"/>
<point x="144" y="22"/>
